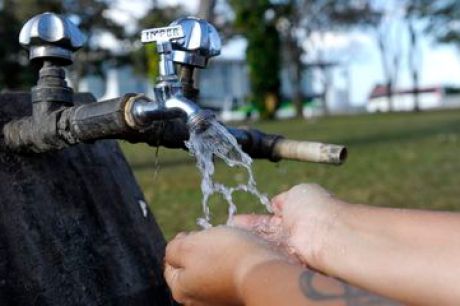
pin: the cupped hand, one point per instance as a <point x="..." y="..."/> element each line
<point x="209" y="267"/>
<point x="301" y="221"/>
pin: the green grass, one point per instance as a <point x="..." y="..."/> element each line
<point x="398" y="160"/>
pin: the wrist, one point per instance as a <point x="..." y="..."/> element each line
<point x="248" y="267"/>
<point x="320" y="233"/>
<point x="343" y="237"/>
<point x="260" y="284"/>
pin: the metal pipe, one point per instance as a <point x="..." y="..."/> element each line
<point x="186" y="73"/>
<point x="308" y="151"/>
<point x="141" y="112"/>
<point x="275" y="147"/>
<point x="113" y="119"/>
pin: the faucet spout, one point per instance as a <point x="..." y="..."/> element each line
<point x="183" y="104"/>
<point x="143" y="112"/>
<point x="197" y="118"/>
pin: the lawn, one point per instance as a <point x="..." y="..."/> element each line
<point x="400" y="160"/>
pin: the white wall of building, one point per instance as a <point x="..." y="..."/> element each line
<point x="405" y="102"/>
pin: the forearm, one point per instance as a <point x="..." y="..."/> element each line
<point x="272" y="283"/>
<point x="412" y="256"/>
<point x="281" y="283"/>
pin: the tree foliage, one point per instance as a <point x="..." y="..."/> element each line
<point x="303" y="25"/>
<point x="91" y="18"/>
<point x="442" y="19"/>
<point x="14" y="70"/>
<point x="257" y="21"/>
<point x="292" y="26"/>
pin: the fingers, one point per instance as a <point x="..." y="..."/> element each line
<point x="302" y="192"/>
<point x="174" y="254"/>
<point x="171" y="275"/>
<point x="268" y="227"/>
<point x="278" y="203"/>
<point x="310" y="190"/>
<point x="180" y="235"/>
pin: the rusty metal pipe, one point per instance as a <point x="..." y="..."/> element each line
<point x="112" y="120"/>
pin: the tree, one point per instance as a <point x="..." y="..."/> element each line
<point x="256" y="20"/>
<point x="288" y="23"/>
<point x="92" y="20"/>
<point x="442" y="19"/>
<point x="413" y="8"/>
<point x="10" y="51"/>
<point x="303" y="25"/>
<point x="384" y="22"/>
<point x="389" y="43"/>
<point x="15" y="72"/>
<point x="206" y="9"/>
<point x="296" y="22"/>
<point x="312" y="18"/>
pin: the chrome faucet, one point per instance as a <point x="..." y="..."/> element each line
<point x="201" y="42"/>
<point x="56" y="122"/>
<point x="188" y="42"/>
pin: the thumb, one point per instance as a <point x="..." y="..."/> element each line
<point x="278" y="202"/>
<point x="268" y="227"/>
<point x="171" y="276"/>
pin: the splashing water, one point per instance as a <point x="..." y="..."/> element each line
<point x="217" y="141"/>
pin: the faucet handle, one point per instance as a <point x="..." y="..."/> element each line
<point x="162" y="35"/>
<point x="50" y="36"/>
<point x="200" y="42"/>
<point x="163" y="38"/>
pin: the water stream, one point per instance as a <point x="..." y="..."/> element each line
<point x="216" y="141"/>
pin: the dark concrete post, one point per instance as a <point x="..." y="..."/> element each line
<point x="74" y="227"/>
<point x="73" y="230"/>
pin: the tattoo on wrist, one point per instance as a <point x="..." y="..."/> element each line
<point x="350" y="296"/>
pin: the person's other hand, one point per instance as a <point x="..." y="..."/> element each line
<point x="301" y="221"/>
<point x="209" y="267"/>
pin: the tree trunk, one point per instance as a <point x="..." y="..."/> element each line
<point x="386" y="69"/>
<point x="390" y="94"/>
<point x="413" y="65"/>
<point x="206" y="9"/>
<point x="295" y="74"/>
<point x="74" y="229"/>
<point x="297" y="93"/>
<point x="326" y="87"/>
<point x="271" y="102"/>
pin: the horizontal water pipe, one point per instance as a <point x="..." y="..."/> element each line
<point x="308" y="151"/>
<point x="113" y="119"/>
<point x="275" y="147"/>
